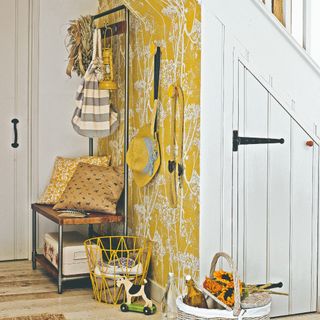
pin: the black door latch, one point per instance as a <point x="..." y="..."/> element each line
<point x="250" y="140"/>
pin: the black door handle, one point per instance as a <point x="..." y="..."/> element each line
<point x="15" y="144"/>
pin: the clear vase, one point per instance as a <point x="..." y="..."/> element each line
<point x="168" y="303"/>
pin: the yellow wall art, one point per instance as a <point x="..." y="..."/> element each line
<point x="175" y="26"/>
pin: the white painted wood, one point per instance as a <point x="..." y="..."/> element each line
<point x="230" y="92"/>
<point x="314" y="30"/>
<point x="238" y="170"/>
<point x="302" y="250"/>
<point x="306" y="25"/>
<point x="14" y="23"/>
<point x="269" y="52"/>
<point x="210" y="141"/>
<point x="7" y="14"/>
<point x="21" y="205"/>
<point x="288" y="107"/>
<point x="273" y="190"/>
<point x="268" y="4"/>
<point x="34" y="80"/>
<point x="297" y="12"/>
<point x="239" y="174"/>
<point x="315" y="229"/>
<point x="278" y="209"/>
<point x="254" y="195"/>
<point x="297" y="17"/>
<point x="33" y="108"/>
<point x="281" y="51"/>
<point x="287" y="15"/>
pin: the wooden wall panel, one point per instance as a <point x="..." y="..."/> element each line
<point x="279" y="161"/>
<point x="302" y="251"/>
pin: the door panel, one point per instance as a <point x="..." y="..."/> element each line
<point x="302" y="224"/>
<point x="276" y="200"/>
<point x="278" y="269"/>
<point x="14" y="25"/>
<point x="253" y="223"/>
<point x="7" y="101"/>
<point x="22" y="177"/>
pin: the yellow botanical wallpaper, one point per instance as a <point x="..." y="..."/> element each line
<point x="174" y="25"/>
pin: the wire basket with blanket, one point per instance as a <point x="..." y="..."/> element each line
<point x="114" y="257"/>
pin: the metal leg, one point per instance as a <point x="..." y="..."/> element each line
<point x="90" y="231"/>
<point x="90" y="146"/>
<point x="126" y="122"/>
<point x="60" y="253"/>
<point x="34" y="239"/>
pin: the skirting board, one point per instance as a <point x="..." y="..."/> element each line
<point x="156" y="291"/>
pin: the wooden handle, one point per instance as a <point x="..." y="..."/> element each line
<point x="310" y="143"/>
<point x="237" y="298"/>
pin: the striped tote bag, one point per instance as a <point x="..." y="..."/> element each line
<point x="94" y="115"/>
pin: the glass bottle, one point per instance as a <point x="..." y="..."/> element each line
<point x="168" y="303"/>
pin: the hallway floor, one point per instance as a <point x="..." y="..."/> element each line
<point x="26" y="292"/>
<point x="314" y="316"/>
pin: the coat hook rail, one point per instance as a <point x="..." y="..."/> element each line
<point x="106" y="13"/>
<point x="126" y="120"/>
<point x="117" y="28"/>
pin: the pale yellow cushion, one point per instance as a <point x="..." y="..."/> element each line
<point x="93" y="188"/>
<point x="63" y="171"/>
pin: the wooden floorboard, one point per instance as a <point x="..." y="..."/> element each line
<point x="13" y="266"/>
<point x="24" y="292"/>
<point x="41" y="295"/>
<point x="19" y="276"/>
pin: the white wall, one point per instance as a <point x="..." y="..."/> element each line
<point x="56" y="136"/>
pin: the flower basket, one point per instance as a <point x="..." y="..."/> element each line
<point x="186" y="312"/>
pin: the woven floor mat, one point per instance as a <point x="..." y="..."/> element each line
<point x="45" y="316"/>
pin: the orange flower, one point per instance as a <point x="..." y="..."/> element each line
<point x="222" y="286"/>
<point x="213" y="286"/>
<point x="223" y="276"/>
<point x="227" y="297"/>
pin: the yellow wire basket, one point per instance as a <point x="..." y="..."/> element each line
<point x="114" y="257"/>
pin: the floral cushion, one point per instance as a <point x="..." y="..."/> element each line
<point x="63" y="171"/>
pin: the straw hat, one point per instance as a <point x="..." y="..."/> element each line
<point x="143" y="156"/>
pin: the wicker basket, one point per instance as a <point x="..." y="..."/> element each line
<point x="186" y="312"/>
<point x="113" y="257"/>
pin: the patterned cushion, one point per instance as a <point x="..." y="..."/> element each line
<point x="63" y="170"/>
<point x="93" y="188"/>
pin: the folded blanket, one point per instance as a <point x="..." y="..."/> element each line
<point x="119" y="267"/>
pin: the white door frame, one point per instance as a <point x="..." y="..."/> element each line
<point x="313" y="134"/>
<point x="33" y="109"/>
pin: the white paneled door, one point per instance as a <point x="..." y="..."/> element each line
<point x="14" y="26"/>
<point x="276" y="199"/>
